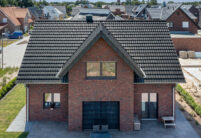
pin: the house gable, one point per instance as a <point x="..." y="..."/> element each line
<point x="100" y="32"/>
<point x="177" y="21"/>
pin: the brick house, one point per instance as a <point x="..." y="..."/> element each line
<point x="100" y="72"/>
<point x="178" y="18"/>
<point x="16" y="18"/>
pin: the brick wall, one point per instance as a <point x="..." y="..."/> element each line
<point x="187" y="44"/>
<point x="164" y="92"/>
<point x="177" y="18"/>
<point x="36" y="111"/>
<point x="81" y="90"/>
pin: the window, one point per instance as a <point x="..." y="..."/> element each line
<point x="51" y="100"/>
<point x="170" y="24"/>
<point x="185" y="24"/>
<point x="149" y="105"/>
<point x="4" y="20"/>
<point x="102" y="70"/>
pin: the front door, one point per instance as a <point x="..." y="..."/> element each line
<point x="101" y="113"/>
<point x="149" y="105"/>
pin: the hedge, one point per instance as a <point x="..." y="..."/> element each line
<point x="5" y="89"/>
<point x="189" y="99"/>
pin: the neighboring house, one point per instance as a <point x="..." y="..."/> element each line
<point x="199" y="15"/>
<point x="36" y="13"/>
<point x="61" y="9"/>
<point x="115" y="68"/>
<point x="179" y="20"/>
<point x="139" y="11"/>
<point x="192" y="9"/>
<point x="53" y="13"/>
<point x="116" y="9"/>
<point x="16" y="18"/>
<point x="129" y="11"/>
<point x="3" y="28"/>
<point x="97" y="14"/>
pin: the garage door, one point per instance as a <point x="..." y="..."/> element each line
<point x="101" y="113"/>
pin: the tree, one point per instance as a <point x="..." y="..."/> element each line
<point x="135" y="2"/>
<point x="170" y="1"/>
<point x="143" y="2"/>
<point x="27" y="3"/>
<point x="3" y="3"/>
<point x="153" y="2"/>
<point x="68" y="9"/>
<point x="99" y="4"/>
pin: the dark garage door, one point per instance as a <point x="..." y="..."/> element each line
<point x="101" y="113"/>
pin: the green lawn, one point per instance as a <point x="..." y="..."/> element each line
<point x="8" y="42"/>
<point x="9" y="108"/>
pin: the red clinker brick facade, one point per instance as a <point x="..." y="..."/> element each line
<point x="164" y="93"/>
<point x="188" y="44"/>
<point x="79" y="90"/>
<point x="36" y="111"/>
<point x="120" y="89"/>
<point x="177" y="18"/>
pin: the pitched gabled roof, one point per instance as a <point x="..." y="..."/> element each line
<point x="53" y="44"/>
<point x="186" y="9"/>
<point x="163" y="13"/>
<point x="139" y="9"/>
<point x="36" y="12"/>
<point x="61" y="9"/>
<point x="99" y="32"/>
<point x="9" y="12"/>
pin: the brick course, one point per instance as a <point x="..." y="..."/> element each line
<point x="36" y="111"/>
<point x="188" y="44"/>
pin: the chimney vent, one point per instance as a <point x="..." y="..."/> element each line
<point x="89" y="18"/>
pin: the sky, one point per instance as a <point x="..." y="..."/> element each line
<point x="123" y="0"/>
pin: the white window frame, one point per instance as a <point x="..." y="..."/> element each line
<point x="5" y="20"/>
<point x="185" y="24"/>
<point x="170" y="24"/>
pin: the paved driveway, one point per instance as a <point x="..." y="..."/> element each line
<point x="150" y="129"/>
<point x="13" y="54"/>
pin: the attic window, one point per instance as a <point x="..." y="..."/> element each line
<point x="138" y="79"/>
<point x="101" y="70"/>
<point x="178" y="13"/>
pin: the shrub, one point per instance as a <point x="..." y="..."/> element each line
<point x="189" y="99"/>
<point x="4" y="81"/>
<point x="5" y="89"/>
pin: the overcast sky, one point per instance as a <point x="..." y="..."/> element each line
<point x="123" y="0"/>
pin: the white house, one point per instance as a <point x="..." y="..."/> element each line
<point x="52" y="13"/>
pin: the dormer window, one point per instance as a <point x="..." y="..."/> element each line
<point x="101" y="70"/>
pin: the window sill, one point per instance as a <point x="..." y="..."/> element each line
<point x="101" y="78"/>
<point x="51" y="109"/>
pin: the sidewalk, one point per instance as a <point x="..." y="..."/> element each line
<point x="14" y="53"/>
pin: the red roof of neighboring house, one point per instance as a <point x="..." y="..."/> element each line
<point x="30" y="21"/>
<point x="13" y="13"/>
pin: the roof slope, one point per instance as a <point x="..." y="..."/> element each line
<point x="53" y="43"/>
<point x="9" y="12"/>
<point x="163" y="13"/>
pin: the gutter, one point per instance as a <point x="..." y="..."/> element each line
<point x="27" y="103"/>
<point x="173" y="103"/>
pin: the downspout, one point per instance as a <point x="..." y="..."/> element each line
<point x="27" y="103"/>
<point x="173" y="108"/>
